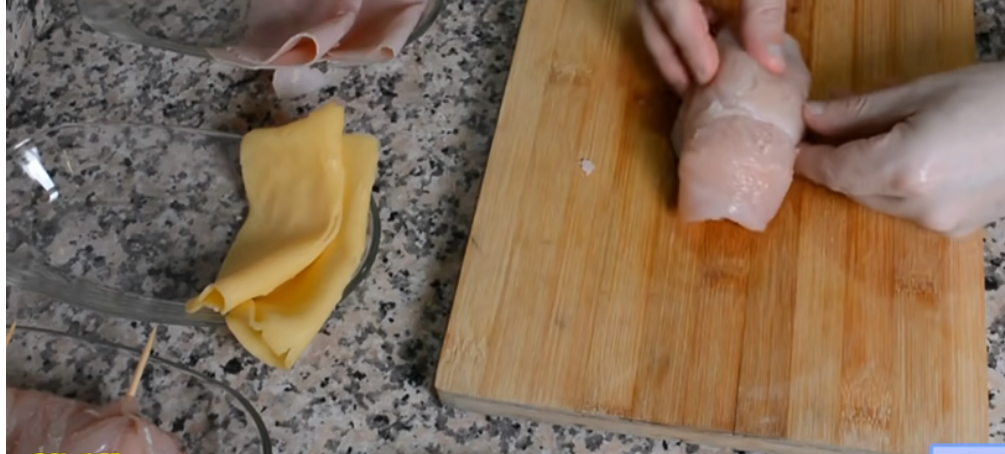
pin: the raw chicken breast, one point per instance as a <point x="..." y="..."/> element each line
<point x="37" y="422"/>
<point x="43" y="422"/>
<point x="117" y="427"/>
<point x="736" y="138"/>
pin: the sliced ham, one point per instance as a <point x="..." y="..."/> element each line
<point x="290" y="35"/>
<point x="284" y="33"/>
<point x="736" y="137"/>
<point x="42" y="422"/>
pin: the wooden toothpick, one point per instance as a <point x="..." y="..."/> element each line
<point x="138" y="374"/>
<point x="10" y="332"/>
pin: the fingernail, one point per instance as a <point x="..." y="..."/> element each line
<point x="777" y="56"/>
<point x="815" y="107"/>
<point x="704" y="72"/>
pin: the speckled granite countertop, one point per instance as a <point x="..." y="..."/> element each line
<point x="371" y="394"/>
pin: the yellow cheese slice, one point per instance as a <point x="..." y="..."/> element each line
<point x="308" y="188"/>
<point x="294" y="180"/>
<point x="278" y="327"/>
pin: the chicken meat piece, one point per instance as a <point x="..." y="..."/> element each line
<point x="42" y="422"/>
<point x="37" y="421"/>
<point x="736" y="137"/>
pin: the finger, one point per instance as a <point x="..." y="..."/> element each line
<point x="856" y="168"/>
<point x="913" y="209"/>
<point x="974" y="224"/>
<point x="979" y="214"/>
<point x="763" y="29"/>
<point x="666" y="57"/>
<point x="865" y="114"/>
<point x="963" y="231"/>
<point x="919" y="211"/>
<point x="688" y="27"/>
<point x="899" y="207"/>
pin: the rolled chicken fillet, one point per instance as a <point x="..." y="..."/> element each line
<point x="39" y="422"/>
<point x="736" y="137"/>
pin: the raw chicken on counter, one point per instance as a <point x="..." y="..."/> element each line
<point x="291" y="34"/>
<point x="736" y="137"/>
<point x="42" y="422"/>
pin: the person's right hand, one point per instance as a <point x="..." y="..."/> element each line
<point x="678" y="36"/>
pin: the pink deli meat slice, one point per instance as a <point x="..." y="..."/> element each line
<point x="285" y="33"/>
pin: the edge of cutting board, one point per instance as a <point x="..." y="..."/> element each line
<point x="639" y="428"/>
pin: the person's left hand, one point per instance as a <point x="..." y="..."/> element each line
<point x="678" y="35"/>
<point x="931" y="151"/>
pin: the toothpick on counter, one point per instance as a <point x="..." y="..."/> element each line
<point x="138" y="374"/>
<point x="10" y="332"/>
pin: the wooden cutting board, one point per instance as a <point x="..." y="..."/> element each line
<point x="583" y="299"/>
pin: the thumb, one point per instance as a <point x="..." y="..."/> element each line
<point x="865" y="114"/>
<point x="855" y="168"/>
<point x="763" y="30"/>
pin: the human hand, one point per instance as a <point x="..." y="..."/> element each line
<point x="931" y="151"/>
<point x="678" y="36"/>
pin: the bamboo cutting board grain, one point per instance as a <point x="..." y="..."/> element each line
<point x="583" y="299"/>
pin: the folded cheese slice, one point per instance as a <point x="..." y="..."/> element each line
<point x="278" y="327"/>
<point x="294" y="177"/>
<point x="308" y="187"/>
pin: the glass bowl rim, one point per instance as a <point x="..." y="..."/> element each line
<point x="27" y="275"/>
<point x="247" y="406"/>
<point x="426" y="21"/>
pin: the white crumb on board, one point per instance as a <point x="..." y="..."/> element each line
<point x="586" y="165"/>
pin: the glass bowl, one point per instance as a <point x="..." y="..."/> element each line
<point x="190" y="27"/>
<point x="204" y="414"/>
<point x="129" y="220"/>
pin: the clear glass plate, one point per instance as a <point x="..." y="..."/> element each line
<point x="191" y="26"/>
<point x="129" y="220"/>
<point x="205" y="415"/>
